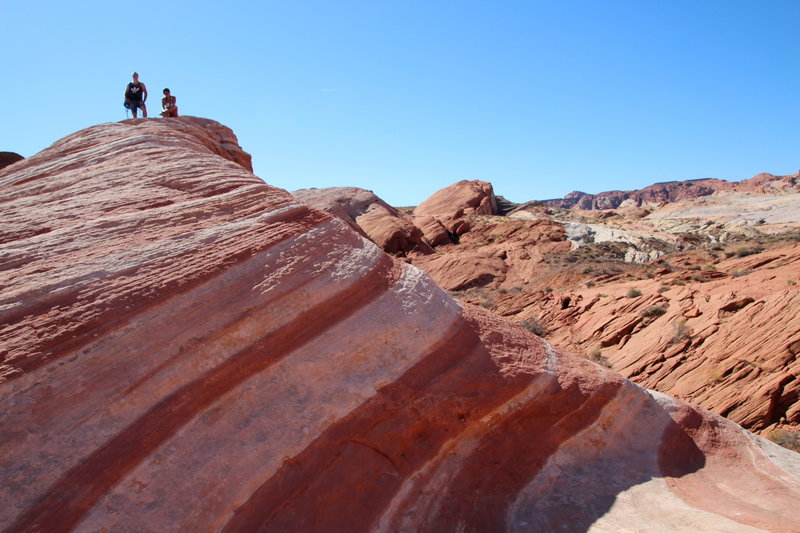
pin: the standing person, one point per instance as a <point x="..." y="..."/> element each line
<point x="168" y="105"/>
<point x="136" y="96"/>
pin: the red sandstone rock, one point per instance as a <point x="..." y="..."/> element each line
<point x="189" y="349"/>
<point x="7" y="158"/>
<point x="390" y="229"/>
<point x="729" y="344"/>
<point x="769" y="183"/>
<point x="673" y="191"/>
<point x="451" y="205"/>
<point x="433" y="230"/>
<point x="498" y="252"/>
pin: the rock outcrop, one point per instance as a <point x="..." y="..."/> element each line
<point x="186" y="348"/>
<point x="727" y="338"/>
<point x="387" y="227"/>
<point x="497" y="252"/>
<point x="674" y="191"/>
<point x="7" y="158"/>
<point x="450" y="208"/>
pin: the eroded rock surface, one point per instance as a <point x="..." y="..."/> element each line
<point x="387" y="227"/>
<point x="727" y="338"/>
<point x="186" y="348"/>
<point x="452" y="206"/>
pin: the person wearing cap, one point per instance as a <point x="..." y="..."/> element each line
<point x="135" y="96"/>
<point x="168" y="105"/>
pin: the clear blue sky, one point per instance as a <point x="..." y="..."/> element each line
<point x="406" y="97"/>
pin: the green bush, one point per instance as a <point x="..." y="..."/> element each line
<point x="634" y="293"/>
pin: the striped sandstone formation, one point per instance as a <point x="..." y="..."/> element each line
<point x="727" y="339"/>
<point x="185" y="348"/>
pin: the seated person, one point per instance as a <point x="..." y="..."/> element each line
<point x="168" y="107"/>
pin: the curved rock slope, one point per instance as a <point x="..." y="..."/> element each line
<point x="188" y="349"/>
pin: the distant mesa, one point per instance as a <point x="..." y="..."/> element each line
<point x="674" y="191"/>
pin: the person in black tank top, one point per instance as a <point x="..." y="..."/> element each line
<point x="136" y="95"/>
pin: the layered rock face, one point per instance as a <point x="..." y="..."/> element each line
<point x="384" y="225"/>
<point x="727" y="338"/>
<point x="186" y="348"/>
<point x="448" y="210"/>
<point x="674" y="191"/>
<point x="497" y="253"/>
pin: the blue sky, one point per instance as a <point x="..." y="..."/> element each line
<point x="404" y="98"/>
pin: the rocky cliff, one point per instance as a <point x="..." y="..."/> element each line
<point x="186" y="348"/>
<point x="674" y="191"/>
<point x="727" y="338"/>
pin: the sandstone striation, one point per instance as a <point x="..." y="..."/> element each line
<point x="727" y="338"/>
<point x="498" y="252"/>
<point x="186" y="348"/>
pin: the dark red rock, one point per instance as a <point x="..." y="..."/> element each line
<point x="8" y="158"/>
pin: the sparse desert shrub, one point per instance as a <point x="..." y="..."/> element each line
<point x="634" y="293"/>
<point x="693" y="267"/>
<point x="485" y="303"/>
<point x="663" y="288"/>
<point x="715" y="375"/>
<point x="787" y="439"/>
<point x="597" y="356"/>
<point x="533" y="325"/>
<point x="653" y="310"/>
<point x="791" y="282"/>
<point x="740" y="273"/>
<point x="710" y="267"/>
<point x="679" y="282"/>
<point x="697" y="277"/>
<point x="744" y="251"/>
<point x="602" y="295"/>
<point x="548" y="289"/>
<point x="681" y="331"/>
<point x="591" y="284"/>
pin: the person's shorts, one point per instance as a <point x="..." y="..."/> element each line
<point x="133" y="104"/>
